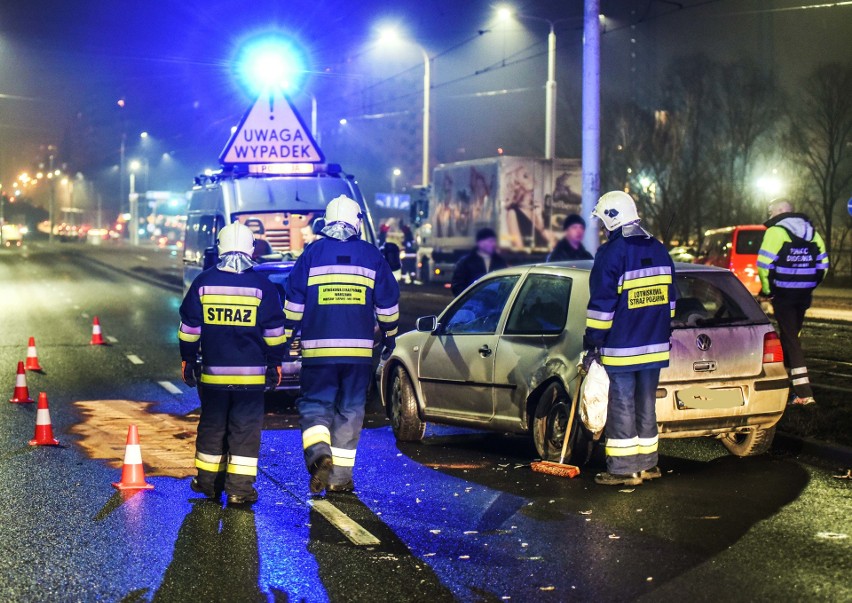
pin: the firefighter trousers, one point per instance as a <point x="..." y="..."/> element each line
<point x="228" y="440"/>
<point x="790" y="314"/>
<point x="331" y="414"/>
<point x="631" y="421"/>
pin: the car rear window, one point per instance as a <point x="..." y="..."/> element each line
<point x="714" y="299"/>
<point x="748" y="241"/>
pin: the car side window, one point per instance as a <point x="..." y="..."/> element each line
<point x="479" y="311"/>
<point x="541" y="307"/>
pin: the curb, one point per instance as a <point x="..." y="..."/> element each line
<point x="824" y="450"/>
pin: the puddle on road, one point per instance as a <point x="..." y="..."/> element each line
<point x="167" y="441"/>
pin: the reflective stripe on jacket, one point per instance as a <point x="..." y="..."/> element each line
<point x="236" y="322"/>
<point x="337" y="292"/>
<point x="631" y="303"/>
<point x="792" y="256"/>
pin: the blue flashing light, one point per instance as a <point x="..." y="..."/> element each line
<point x="270" y="61"/>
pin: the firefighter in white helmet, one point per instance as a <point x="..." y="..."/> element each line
<point x="232" y="317"/>
<point x="340" y="287"/>
<point x="628" y="330"/>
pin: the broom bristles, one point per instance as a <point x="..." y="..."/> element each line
<point x="557" y="469"/>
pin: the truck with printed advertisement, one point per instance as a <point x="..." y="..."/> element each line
<point x="523" y="199"/>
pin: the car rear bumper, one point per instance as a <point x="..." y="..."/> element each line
<point x="765" y="399"/>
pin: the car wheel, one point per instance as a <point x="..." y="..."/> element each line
<point x="550" y="421"/>
<point x="404" y="416"/>
<point x="750" y="443"/>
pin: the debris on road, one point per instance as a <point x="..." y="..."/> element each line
<point x="614" y="537"/>
<point x="847" y="475"/>
<point x="628" y="490"/>
<point x="589" y="512"/>
<point x="547" y="588"/>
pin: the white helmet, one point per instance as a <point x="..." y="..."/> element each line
<point x="343" y="209"/>
<point x="616" y="209"/>
<point x="236" y="237"/>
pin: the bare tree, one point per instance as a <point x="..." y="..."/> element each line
<point x="820" y="135"/>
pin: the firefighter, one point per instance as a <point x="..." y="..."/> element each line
<point x="792" y="262"/>
<point x="339" y="288"/>
<point x="628" y="330"/>
<point x="233" y="317"/>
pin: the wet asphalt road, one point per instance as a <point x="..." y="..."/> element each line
<point x="458" y="517"/>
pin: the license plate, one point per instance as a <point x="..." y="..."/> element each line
<point x="704" y="398"/>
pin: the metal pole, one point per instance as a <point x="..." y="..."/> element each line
<point x="133" y="224"/>
<point x="122" y="171"/>
<point x="50" y="210"/>
<point x="550" y="98"/>
<point x="314" y="117"/>
<point x="591" y="118"/>
<point x="427" y="85"/>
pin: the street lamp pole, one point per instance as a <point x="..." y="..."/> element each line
<point x="427" y="86"/>
<point x="550" y="97"/>
<point x="133" y="224"/>
<point x="591" y="118"/>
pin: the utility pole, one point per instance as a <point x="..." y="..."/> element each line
<point x="133" y="224"/>
<point x="550" y="97"/>
<point x="52" y="209"/>
<point x="591" y="118"/>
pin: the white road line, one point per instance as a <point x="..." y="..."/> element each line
<point x="170" y="387"/>
<point x="348" y="526"/>
<point x="142" y="257"/>
<point x="111" y="339"/>
<point x="135" y="359"/>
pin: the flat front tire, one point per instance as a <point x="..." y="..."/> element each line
<point x="750" y="443"/>
<point x="404" y="416"/>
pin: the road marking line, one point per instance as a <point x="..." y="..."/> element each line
<point x="170" y="387"/>
<point x="111" y="339"/>
<point x="142" y="257"/>
<point x="347" y="526"/>
<point x="135" y="359"/>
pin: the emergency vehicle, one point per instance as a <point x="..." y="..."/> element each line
<point x="279" y="195"/>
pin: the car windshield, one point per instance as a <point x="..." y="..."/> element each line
<point x="748" y="241"/>
<point x="714" y="299"/>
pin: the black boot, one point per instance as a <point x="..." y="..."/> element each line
<point x="243" y="499"/>
<point x="210" y="494"/>
<point x="320" y="472"/>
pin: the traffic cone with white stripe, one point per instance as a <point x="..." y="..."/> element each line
<point x="44" y="429"/>
<point x="133" y="473"/>
<point x="21" y="395"/>
<point x="32" y="356"/>
<point x="97" y="336"/>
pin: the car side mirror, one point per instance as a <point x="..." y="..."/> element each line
<point x="427" y="324"/>
<point x="211" y="257"/>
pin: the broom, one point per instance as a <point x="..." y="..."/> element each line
<point x="560" y="469"/>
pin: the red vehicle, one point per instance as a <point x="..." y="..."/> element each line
<point x="734" y="248"/>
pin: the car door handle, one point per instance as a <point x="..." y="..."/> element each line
<point x="485" y="351"/>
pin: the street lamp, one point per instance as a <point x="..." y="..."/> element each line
<point x="391" y="36"/>
<point x="396" y="173"/>
<point x="505" y="14"/>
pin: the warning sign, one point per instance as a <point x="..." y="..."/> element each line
<point x="342" y="294"/>
<point x="648" y="296"/>
<point x="271" y="132"/>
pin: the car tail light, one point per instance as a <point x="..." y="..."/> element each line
<point x="772" y="351"/>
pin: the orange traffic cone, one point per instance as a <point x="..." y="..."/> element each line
<point x="97" y="337"/>
<point x="44" y="430"/>
<point x="32" y="356"/>
<point x="133" y="473"/>
<point x="21" y="394"/>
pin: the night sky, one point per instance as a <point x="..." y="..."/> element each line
<point x="64" y="65"/>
